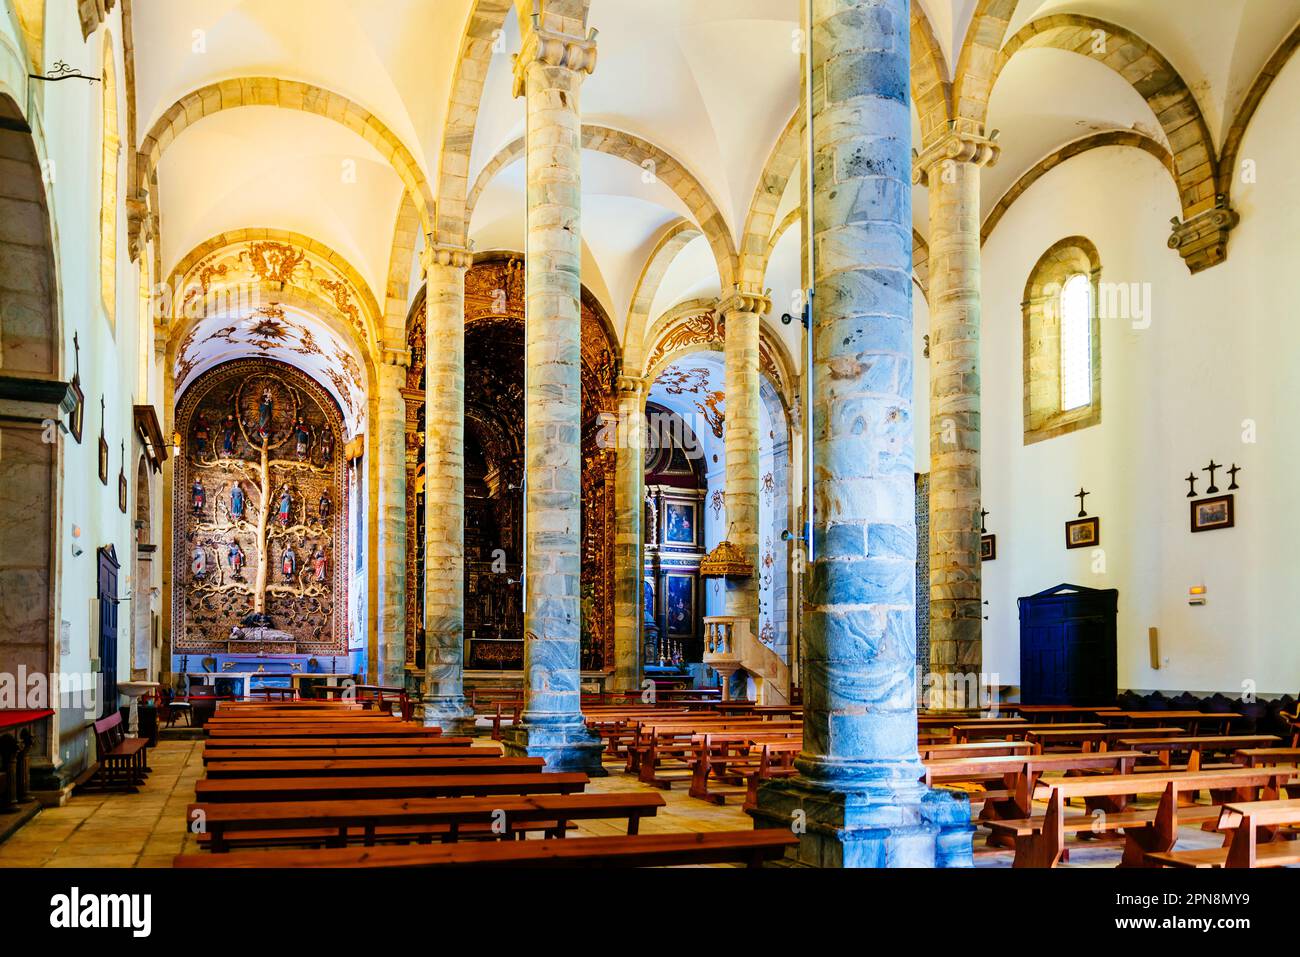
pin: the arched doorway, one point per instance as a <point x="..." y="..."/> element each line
<point x="32" y="400"/>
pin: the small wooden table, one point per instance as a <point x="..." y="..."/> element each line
<point x="15" y="741"/>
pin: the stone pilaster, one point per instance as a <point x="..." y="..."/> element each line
<point x="444" y="489"/>
<point x="857" y="800"/>
<point x="629" y="557"/>
<point x="549" y="72"/>
<point x="951" y="168"/>
<point x="742" y="312"/>
<point x="390" y="427"/>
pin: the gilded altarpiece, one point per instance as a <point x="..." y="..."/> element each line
<point x="494" y="416"/>
<point x="261" y="514"/>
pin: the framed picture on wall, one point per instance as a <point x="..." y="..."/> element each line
<point x="988" y="548"/>
<point x="679" y="605"/>
<point x="103" y="459"/>
<point x="1083" y="532"/>
<point x="77" y="417"/>
<point x="1212" y="513"/>
<point x="680" y="525"/>
<point x="121" y="491"/>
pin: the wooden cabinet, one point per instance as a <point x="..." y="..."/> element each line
<point x="1067" y="646"/>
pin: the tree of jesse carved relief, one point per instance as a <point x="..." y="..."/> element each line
<point x="262" y="536"/>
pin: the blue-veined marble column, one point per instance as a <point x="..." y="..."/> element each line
<point x="549" y="72"/>
<point x="857" y="800"/>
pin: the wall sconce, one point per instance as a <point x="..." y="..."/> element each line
<point x="1196" y="595"/>
<point x="76" y="534"/>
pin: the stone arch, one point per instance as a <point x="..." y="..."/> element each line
<point x="637" y="151"/>
<point x="142" y="574"/>
<point x="29" y="311"/>
<point x="289" y="95"/>
<point x="110" y="165"/>
<point x="1142" y="65"/>
<point x="397" y="294"/>
<point x="676" y="237"/>
<point x="30" y="349"/>
<point x="696" y="326"/>
<point x="921" y="263"/>
<point x="482" y="31"/>
<point x="1043" y="416"/>
<point x="931" y="88"/>
<point x="772" y="184"/>
<point x="977" y="63"/>
<point x="1246" y="112"/>
<point x="365" y="328"/>
<point x="1127" y="138"/>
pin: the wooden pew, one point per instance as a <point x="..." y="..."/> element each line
<point x="776" y="761"/>
<point x="1258" y="757"/>
<point x="329" y="767"/>
<point x="1015" y="776"/>
<point x="974" y="749"/>
<point x="1085" y="739"/>
<point x="1011" y="731"/>
<point x="1040" y="841"/>
<point x="1253" y="826"/>
<point x="337" y="823"/>
<point x="1192" y="720"/>
<point x="640" y="850"/>
<point x="366" y="729"/>
<point x="662" y="754"/>
<point x="389" y="786"/>
<point x="311" y="741"/>
<point x="211" y="754"/>
<point x="1195" y="746"/>
<point x="732" y="757"/>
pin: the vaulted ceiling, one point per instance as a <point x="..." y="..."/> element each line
<point x="711" y="83"/>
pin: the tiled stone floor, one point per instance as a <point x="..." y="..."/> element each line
<point x="149" y="828"/>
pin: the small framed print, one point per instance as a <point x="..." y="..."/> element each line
<point x="988" y="548"/>
<point x="1083" y="532"/>
<point x="121" y="491"/>
<point x="679" y="523"/>
<point x="103" y="460"/>
<point x="1212" y="513"/>
<point x="77" y="417"/>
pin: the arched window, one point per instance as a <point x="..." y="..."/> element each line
<point x="1076" y="343"/>
<point x="1062" y="341"/>
<point x="108" y="195"/>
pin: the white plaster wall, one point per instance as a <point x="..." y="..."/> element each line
<point x="1221" y="349"/>
<point x="70" y="122"/>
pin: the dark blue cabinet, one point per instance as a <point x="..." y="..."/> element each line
<point x="1067" y="646"/>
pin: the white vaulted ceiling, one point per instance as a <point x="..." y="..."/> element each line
<point x="712" y="83"/>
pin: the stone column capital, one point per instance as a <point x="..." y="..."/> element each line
<point x="1202" y="240"/>
<point x="741" y="299"/>
<point x="442" y="254"/>
<point x="396" y="357"/>
<point x="553" y="49"/>
<point x="955" y="146"/>
<point x="628" y="386"/>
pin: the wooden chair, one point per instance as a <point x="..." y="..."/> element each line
<point x="121" y="759"/>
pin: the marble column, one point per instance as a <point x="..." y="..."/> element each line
<point x="444" y="489"/>
<point x="950" y="167"/>
<point x="858" y="800"/>
<point x="742" y="311"/>
<point x="391" y="430"/>
<point x="629" y="557"/>
<point x="549" y="72"/>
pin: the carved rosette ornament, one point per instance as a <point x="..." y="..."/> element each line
<point x="1202" y="241"/>
<point x="955" y="146"/>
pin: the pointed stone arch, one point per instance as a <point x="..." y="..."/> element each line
<point x="977" y="63"/>
<point x="931" y="86"/>
<point x="676" y="237"/>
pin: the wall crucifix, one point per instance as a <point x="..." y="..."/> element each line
<point x="1081" y="495"/>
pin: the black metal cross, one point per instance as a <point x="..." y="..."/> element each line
<point x="1081" y="495"/>
<point x="1233" y="472"/>
<point x="1191" y="480"/>
<point x="1212" y="468"/>
<point x="984" y="513"/>
<point x="76" y="353"/>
